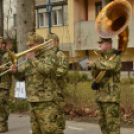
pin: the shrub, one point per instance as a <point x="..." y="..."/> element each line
<point x="18" y="106"/>
<point x="77" y="77"/>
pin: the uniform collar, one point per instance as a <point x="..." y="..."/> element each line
<point x="107" y="53"/>
<point x="55" y="48"/>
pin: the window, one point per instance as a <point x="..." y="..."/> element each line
<point x="127" y="66"/>
<point x="43" y="19"/>
<point x="15" y="19"/>
<point x="57" y="18"/>
<point x="98" y="6"/>
<point x="54" y="18"/>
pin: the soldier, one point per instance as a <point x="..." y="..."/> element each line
<point x="39" y="76"/>
<point x="61" y="73"/>
<point x="5" y="85"/>
<point x="107" y="94"/>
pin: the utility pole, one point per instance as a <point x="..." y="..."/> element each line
<point x="1" y="17"/>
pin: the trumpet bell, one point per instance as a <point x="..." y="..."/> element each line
<point x="113" y="18"/>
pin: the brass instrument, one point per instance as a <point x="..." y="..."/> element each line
<point x="113" y="20"/>
<point x="39" y="48"/>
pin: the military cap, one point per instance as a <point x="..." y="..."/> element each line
<point x="34" y="38"/>
<point x="52" y="36"/>
<point x="101" y="40"/>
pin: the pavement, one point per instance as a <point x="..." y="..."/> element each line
<point x="21" y="125"/>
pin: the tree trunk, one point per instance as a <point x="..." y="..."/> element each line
<point x="25" y="23"/>
<point x="1" y="17"/>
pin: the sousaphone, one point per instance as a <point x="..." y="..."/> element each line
<point x="113" y="21"/>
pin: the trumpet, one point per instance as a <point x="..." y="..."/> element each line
<point x="10" y="69"/>
<point x="40" y="48"/>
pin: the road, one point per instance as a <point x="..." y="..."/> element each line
<point x="21" y="125"/>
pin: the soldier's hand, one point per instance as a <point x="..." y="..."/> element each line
<point x="14" y="69"/>
<point x="30" y="55"/>
<point x="2" y="68"/>
<point x="89" y="63"/>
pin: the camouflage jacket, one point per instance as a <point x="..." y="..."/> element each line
<point x="62" y="72"/>
<point x="40" y="79"/>
<point x="109" y="88"/>
<point x="6" y="79"/>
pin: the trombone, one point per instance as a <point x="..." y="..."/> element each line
<point x="44" y="46"/>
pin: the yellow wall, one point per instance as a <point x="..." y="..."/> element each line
<point x="91" y="9"/>
<point x="79" y="10"/>
<point x="78" y="55"/>
<point x="128" y="56"/>
<point x="65" y="33"/>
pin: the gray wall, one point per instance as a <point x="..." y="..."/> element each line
<point x="41" y="2"/>
<point x="86" y="34"/>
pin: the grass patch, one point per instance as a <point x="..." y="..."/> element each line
<point x="18" y="106"/>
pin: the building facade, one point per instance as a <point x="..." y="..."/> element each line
<point x="9" y="7"/>
<point x="74" y="22"/>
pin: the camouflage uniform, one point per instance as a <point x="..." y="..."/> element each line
<point x="5" y="85"/>
<point x="62" y="71"/>
<point x="108" y="94"/>
<point x="39" y="76"/>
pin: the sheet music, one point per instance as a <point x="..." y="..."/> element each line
<point x="83" y="63"/>
<point x="20" y="92"/>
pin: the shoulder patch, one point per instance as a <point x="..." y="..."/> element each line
<point x="53" y="59"/>
<point x="65" y="62"/>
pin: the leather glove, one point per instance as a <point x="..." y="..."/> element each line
<point x="116" y="52"/>
<point x="95" y="86"/>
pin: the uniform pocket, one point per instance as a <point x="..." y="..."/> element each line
<point x="115" y="110"/>
<point x="61" y="107"/>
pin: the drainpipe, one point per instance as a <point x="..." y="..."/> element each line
<point x="104" y="2"/>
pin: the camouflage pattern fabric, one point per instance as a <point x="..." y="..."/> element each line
<point x="62" y="71"/>
<point x="109" y="89"/>
<point x="34" y="38"/>
<point x="6" y="79"/>
<point x="108" y="94"/>
<point x="43" y="117"/>
<point x="5" y="85"/>
<point x="41" y="88"/>
<point x="39" y="76"/>
<point x="4" y="96"/>
<point x="109" y="119"/>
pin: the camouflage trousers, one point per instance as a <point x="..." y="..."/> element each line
<point x="43" y="117"/>
<point x="61" y="115"/>
<point x="109" y="117"/>
<point x="4" y="96"/>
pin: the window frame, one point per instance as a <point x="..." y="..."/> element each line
<point x="97" y="4"/>
<point x="57" y="18"/>
<point x="44" y="25"/>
